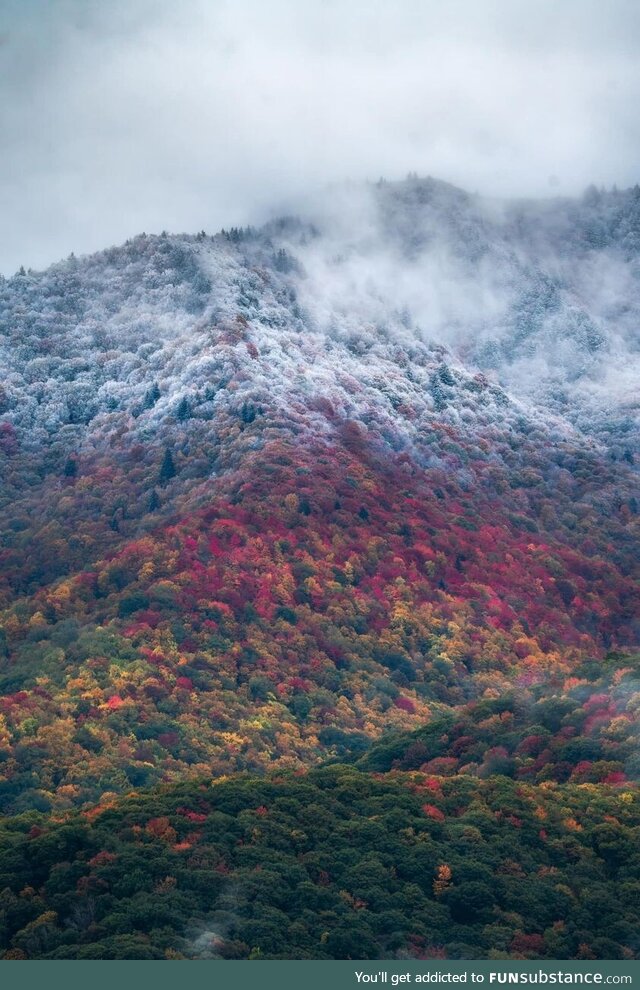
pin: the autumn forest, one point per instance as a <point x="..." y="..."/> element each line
<point x="319" y="621"/>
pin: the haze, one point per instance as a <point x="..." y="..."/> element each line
<point x="123" y="117"/>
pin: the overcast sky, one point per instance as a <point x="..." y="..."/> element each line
<point x="118" y="116"/>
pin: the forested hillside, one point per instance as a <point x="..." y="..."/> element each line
<point x="336" y="514"/>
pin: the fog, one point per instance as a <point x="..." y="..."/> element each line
<point x="544" y="296"/>
<point x="118" y="118"/>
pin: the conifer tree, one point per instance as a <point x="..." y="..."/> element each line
<point x="168" y="468"/>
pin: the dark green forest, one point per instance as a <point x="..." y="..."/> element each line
<point x="402" y="853"/>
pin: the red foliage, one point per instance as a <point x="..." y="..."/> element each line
<point x="405" y="704"/>
<point x="524" y="945"/>
<point x="103" y="858"/>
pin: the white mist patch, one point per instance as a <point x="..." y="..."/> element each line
<point x="546" y="295"/>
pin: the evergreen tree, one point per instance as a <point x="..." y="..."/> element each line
<point x="168" y="468"/>
<point x="248" y="412"/>
<point x="438" y="393"/>
<point x="152" y="395"/>
<point x="183" y="411"/>
<point x="445" y="375"/>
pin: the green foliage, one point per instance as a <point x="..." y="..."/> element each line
<point x="332" y="864"/>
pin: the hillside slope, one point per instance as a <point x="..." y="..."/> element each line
<point x="321" y="492"/>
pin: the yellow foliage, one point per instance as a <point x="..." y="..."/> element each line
<point x="442" y="880"/>
<point x="146" y="571"/>
<point x="572" y="824"/>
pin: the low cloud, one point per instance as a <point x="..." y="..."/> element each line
<point x="118" y="118"/>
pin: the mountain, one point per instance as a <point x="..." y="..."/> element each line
<point x="359" y="486"/>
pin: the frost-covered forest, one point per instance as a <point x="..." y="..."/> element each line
<point x="380" y="283"/>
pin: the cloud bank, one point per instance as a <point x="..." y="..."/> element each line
<point x="120" y="117"/>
